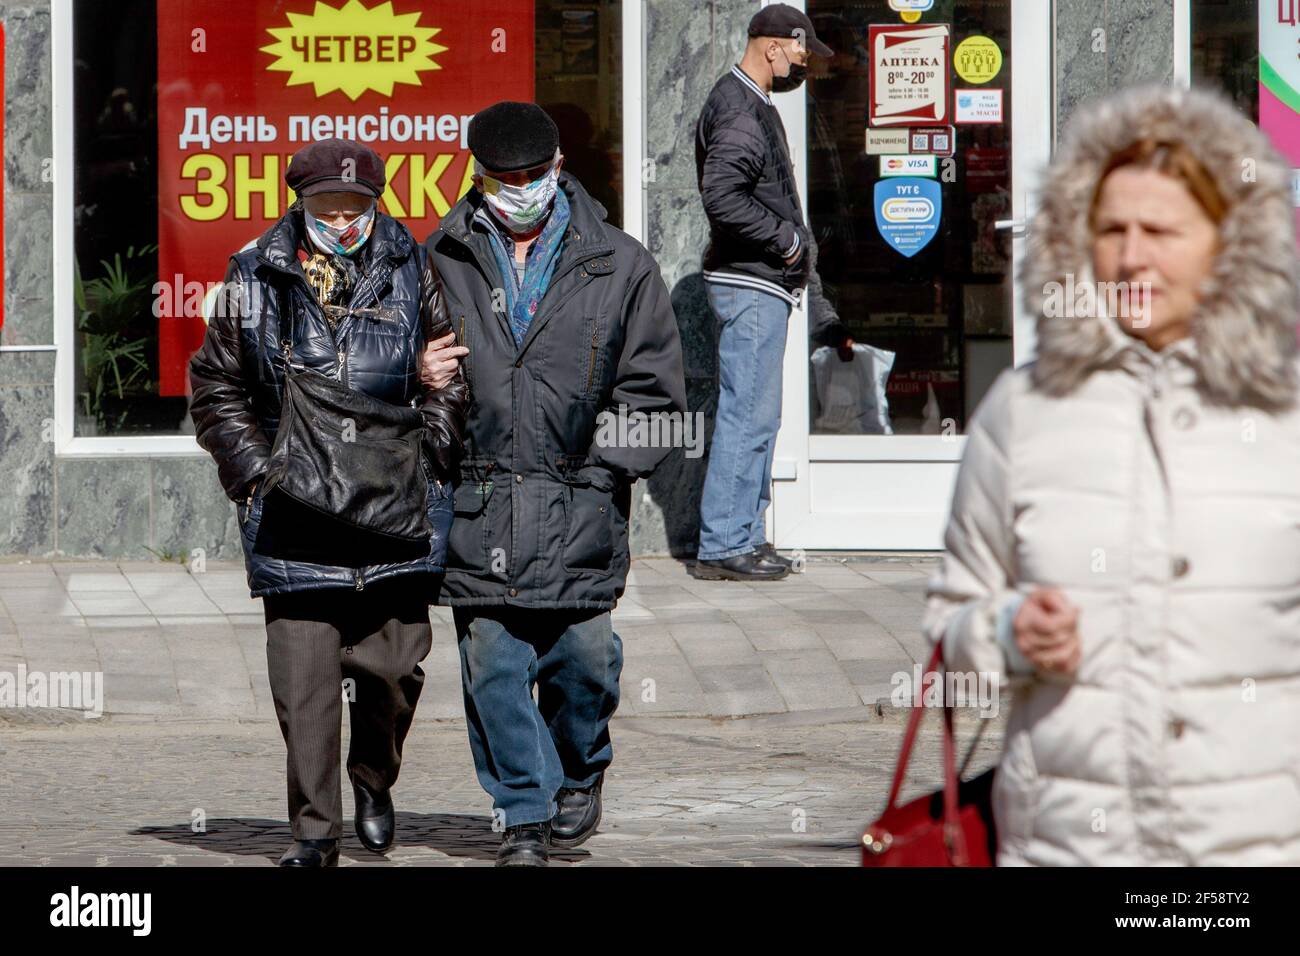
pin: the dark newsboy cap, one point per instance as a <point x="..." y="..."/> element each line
<point x="321" y="167"/>
<point x="509" y="136"/>
<point x="783" y="20"/>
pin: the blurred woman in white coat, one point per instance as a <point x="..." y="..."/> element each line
<point x="1124" y="542"/>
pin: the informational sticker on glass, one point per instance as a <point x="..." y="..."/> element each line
<point x="908" y="166"/>
<point x="978" y="106"/>
<point x="909" y="74"/>
<point x="887" y="141"/>
<point x="907" y="212"/>
<point x="977" y="59"/>
<point x="939" y="140"/>
<point x="910" y="10"/>
<point x="402" y="76"/>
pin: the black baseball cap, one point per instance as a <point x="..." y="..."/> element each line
<point x="336" y="166"/>
<point x="783" y="20"/>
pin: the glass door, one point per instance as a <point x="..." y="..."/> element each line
<point x="913" y="146"/>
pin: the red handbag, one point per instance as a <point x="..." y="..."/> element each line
<point x="953" y="827"/>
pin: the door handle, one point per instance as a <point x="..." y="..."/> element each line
<point x="1017" y="226"/>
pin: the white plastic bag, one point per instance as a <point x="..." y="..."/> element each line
<point x="851" y="395"/>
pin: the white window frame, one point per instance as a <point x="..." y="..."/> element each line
<point x="1183" y="43"/>
<point x="69" y="445"/>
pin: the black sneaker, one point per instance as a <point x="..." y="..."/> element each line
<point x="525" y="845"/>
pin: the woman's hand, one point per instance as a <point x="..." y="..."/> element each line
<point x="439" y="362"/>
<point x="1047" y="631"/>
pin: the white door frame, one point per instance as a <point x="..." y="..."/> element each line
<point x="814" y="504"/>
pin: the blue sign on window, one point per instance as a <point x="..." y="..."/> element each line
<point x="907" y="212"/>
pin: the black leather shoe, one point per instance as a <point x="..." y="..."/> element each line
<point x="767" y="552"/>
<point x="312" y="853"/>
<point x="375" y="821"/>
<point x="525" y="845"/>
<point x="742" y="567"/>
<point x="577" y="815"/>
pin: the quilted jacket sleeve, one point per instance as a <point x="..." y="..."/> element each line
<point x="444" y="409"/>
<point x="975" y="584"/>
<point x="222" y="405"/>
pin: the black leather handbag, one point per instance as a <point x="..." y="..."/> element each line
<point x="347" y="481"/>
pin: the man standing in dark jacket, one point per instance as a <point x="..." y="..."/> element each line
<point x="757" y="262"/>
<point x="346" y="291"/>
<point x="566" y="318"/>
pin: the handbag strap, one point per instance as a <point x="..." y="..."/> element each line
<point x="952" y="830"/>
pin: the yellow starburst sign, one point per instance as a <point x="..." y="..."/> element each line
<point x="353" y="48"/>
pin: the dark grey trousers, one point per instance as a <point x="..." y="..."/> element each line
<point x="327" y="645"/>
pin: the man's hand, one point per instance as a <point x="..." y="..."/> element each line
<point x="439" y="362"/>
<point x="1047" y="631"/>
<point x="798" y="254"/>
<point x="845" y="348"/>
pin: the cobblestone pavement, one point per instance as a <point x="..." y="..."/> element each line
<point x="774" y="791"/>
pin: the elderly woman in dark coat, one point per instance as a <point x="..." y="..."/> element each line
<point x="352" y="295"/>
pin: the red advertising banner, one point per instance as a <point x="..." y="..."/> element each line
<point x="244" y="85"/>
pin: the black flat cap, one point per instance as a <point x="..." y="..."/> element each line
<point x="783" y="20"/>
<point x="509" y="136"/>
<point x="324" y="167"/>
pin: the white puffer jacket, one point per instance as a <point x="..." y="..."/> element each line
<point x="1161" y="493"/>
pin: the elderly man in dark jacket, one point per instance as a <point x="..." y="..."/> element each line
<point x="565" y="318"/>
<point x="757" y="262"/>
<point x="348" y="291"/>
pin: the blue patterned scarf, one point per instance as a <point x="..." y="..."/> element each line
<point x="538" y="269"/>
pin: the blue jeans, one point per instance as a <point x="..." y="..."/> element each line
<point x="737" y="486"/>
<point x="525" y="750"/>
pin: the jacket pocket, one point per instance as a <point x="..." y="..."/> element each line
<point x="591" y="364"/>
<point x="464" y="329"/>
<point x="467" y="541"/>
<point x="250" y="516"/>
<point x="588" y="528"/>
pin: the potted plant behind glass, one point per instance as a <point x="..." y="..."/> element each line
<point x="114" y="369"/>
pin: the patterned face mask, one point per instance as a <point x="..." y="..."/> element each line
<point x="521" y="208"/>
<point x="341" y="240"/>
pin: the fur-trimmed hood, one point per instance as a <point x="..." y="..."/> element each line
<point x="1244" y="334"/>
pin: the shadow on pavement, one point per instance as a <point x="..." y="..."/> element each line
<point x="452" y="834"/>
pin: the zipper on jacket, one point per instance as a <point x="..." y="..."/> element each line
<point x="360" y="579"/>
<point x="591" y="365"/>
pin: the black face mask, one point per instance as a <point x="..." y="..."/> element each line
<point x="791" y="81"/>
<point x="784" y="84"/>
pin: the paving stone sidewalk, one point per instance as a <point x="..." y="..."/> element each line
<point x="747" y="735"/>
<point x="785" y="790"/>
<point x="176" y="644"/>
